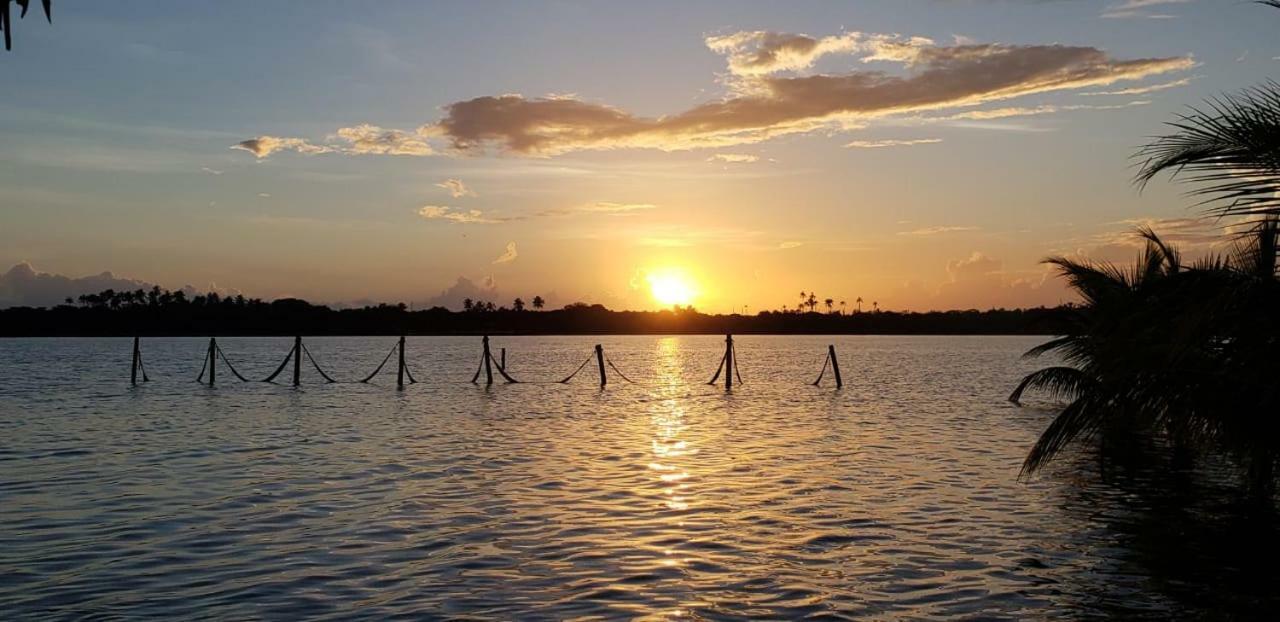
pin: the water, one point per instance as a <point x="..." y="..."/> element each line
<point x="894" y="498"/>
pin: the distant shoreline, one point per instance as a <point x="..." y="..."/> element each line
<point x="296" y="317"/>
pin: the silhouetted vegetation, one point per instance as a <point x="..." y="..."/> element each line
<point x="6" y="17"/>
<point x="161" y="312"/>
<point x="1174" y="351"/>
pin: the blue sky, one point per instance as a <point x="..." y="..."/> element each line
<point x="119" y="117"/>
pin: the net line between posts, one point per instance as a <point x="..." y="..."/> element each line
<point x="210" y="365"/>
<point x="402" y="370"/>
<point x="833" y="363"/>
<point x="487" y="364"/>
<point x="728" y="366"/>
<point x="137" y="365"/>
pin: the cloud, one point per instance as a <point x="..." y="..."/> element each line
<point x="788" y="244"/>
<point x="609" y="207"/>
<point x="456" y="188"/>
<point x="940" y="78"/>
<point x="443" y="212"/>
<point x="879" y="144"/>
<point x="368" y="139"/>
<point x="464" y="288"/>
<point x="508" y="255"/>
<point x="733" y="158"/>
<point x="1142" y="90"/>
<point x="24" y="286"/>
<point x="264" y="195"/>
<point x="761" y="52"/>
<point x="763" y="104"/>
<point x="981" y="281"/>
<point x="1139" y="8"/>
<point x="211" y="171"/>
<point x="264" y="146"/>
<point x="937" y="230"/>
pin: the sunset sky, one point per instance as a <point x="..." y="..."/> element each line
<point x="916" y="153"/>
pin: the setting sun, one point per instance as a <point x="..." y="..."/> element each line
<point x="671" y="287"/>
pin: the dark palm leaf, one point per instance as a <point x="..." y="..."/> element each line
<point x="1059" y="382"/>
<point x="1231" y="150"/>
<point x="6" y="18"/>
<point x="1079" y="419"/>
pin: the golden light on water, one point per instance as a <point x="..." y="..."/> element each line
<point x="671" y="286"/>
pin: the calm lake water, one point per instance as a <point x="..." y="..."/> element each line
<point x="894" y="498"/>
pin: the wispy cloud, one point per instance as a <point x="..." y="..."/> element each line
<point x="456" y="188"/>
<point x="1142" y="90"/>
<point x="444" y="212"/>
<point x="264" y="146"/>
<point x="609" y="207"/>
<point x="373" y="140"/>
<point x="1139" y="9"/>
<point x="508" y="255"/>
<point x="211" y="171"/>
<point x="937" y="230"/>
<point x="880" y="144"/>
<point x="733" y="158"/>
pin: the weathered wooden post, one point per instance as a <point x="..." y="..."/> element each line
<point x="728" y="362"/>
<point x="400" y="371"/>
<point x="297" y="360"/>
<point x="213" y="359"/>
<point x="133" y="371"/>
<point x="600" y="361"/>
<point x="502" y="364"/>
<point x="835" y="365"/>
<point x="488" y="359"/>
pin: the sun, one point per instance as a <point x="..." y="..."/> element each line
<point x="671" y="287"/>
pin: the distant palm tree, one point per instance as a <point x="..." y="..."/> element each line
<point x="812" y="302"/>
<point x="859" y="301"/>
<point x="804" y="298"/>
<point x="538" y="302"/>
<point x="517" y="304"/>
<point x="842" y="305"/>
<point x="6" y="18"/>
<point x="830" y="302"/>
<point x="467" y="304"/>
<point x="875" y="307"/>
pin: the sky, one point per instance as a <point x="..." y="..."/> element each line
<point x="915" y="154"/>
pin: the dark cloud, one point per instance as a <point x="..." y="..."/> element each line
<point x="23" y="286"/>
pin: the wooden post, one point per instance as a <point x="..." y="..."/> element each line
<point x="503" y="359"/>
<point x="133" y="371"/>
<point x="835" y="365"/>
<point x="213" y="359"/>
<point x="400" y="370"/>
<point x="297" y="360"/>
<point x="600" y="361"/>
<point x="728" y="362"/>
<point x="488" y="358"/>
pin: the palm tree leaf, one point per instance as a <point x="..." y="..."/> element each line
<point x="1059" y="381"/>
<point x="1079" y="419"/>
<point x="1230" y="149"/>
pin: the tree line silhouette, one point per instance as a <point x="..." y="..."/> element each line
<point x="160" y="312"/>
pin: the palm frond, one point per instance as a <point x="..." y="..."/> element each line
<point x="1079" y="419"/>
<point x="1230" y="149"/>
<point x="1059" y="382"/>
